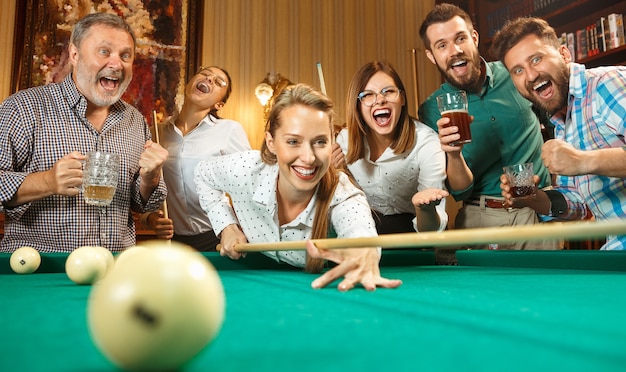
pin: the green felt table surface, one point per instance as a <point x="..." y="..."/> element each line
<point x="496" y="311"/>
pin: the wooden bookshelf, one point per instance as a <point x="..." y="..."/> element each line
<point x="565" y="16"/>
<point x="615" y="56"/>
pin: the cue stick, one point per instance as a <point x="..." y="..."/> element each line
<point x="156" y="134"/>
<point x="486" y="235"/>
<point x="320" y="74"/>
<point x="417" y="101"/>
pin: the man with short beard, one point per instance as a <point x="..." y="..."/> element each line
<point x="45" y="133"/>
<point x="505" y="130"/>
<point x="588" y="109"/>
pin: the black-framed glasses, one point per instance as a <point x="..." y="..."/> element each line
<point x="370" y="98"/>
<point x="217" y="80"/>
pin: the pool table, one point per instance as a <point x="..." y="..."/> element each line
<point x="495" y="311"/>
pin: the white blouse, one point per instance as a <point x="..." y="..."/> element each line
<point x="251" y="184"/>
<point x="212" y="137"/>
<point x="391" y="181"/>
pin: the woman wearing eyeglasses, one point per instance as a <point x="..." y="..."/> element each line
<point x="196" y="133"/>
<point x="395" y="159"/>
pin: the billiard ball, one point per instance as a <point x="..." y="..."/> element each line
<point x="108" y="257"/>
<point x="158" y="307"/>
<point x="86" y="265"/>
<point x="129" y="252"/>
<point x="25" y="260"/>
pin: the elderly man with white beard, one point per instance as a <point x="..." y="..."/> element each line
<point x="45" y="133"/>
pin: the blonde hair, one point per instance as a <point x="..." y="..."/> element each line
<point x="302" y="94"/>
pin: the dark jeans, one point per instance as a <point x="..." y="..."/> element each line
<point x="393" y="223"/>
<point x="205" y="242"/>
<point x="403" y="223"/>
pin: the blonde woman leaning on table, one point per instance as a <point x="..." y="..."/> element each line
<point x="289" y="191"/>
<point x="197" y="133"/>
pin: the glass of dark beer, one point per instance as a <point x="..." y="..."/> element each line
<point x="520" y="177"/>
<point x="453" y="105"/>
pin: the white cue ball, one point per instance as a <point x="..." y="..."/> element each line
<point x="108" y="257"/>
<point x="158" y="307"/>
<point x="129" y="252"/>
<point x="25" y="260"/>
<point x="86" y="265"/>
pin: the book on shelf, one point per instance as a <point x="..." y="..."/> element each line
<point x="600" y="32"/>
<point x="590" y="41"/>
<point x="571" y="44"/>
<point x="593" y="34"/>
<point x="581" y="44"/>
<point x="616" y="30"/>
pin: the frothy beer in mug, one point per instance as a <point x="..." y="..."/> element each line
<point x="453" y="105"/>
<point x="100" y="177"/>
<point x="99" y="195"/>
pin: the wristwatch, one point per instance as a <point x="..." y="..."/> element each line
<point x="558" y="204"/>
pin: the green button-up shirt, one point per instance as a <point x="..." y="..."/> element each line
<point x="505" y="131"/>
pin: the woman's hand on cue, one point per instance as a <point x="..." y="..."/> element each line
<point x="230" y="236"/>
<point x="358" y="265"/>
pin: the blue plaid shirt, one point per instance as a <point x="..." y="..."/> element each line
<point x="38" y="126"/>
<point x="595" y="119"/>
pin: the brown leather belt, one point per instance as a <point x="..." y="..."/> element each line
<point x="489" y="203"/>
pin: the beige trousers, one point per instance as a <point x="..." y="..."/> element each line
<point x="475" y="216"/>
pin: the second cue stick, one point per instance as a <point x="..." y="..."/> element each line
<point x="415" y="78"/>
<point x="158" y="140"/>
<point x="320" y="74"/>
<point x="156" y="134"/>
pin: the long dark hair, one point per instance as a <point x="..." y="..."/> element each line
<point x="404" y="133"/>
